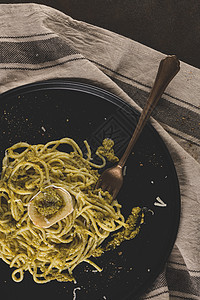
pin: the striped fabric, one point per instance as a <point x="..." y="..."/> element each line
<point x="39" y="43"/>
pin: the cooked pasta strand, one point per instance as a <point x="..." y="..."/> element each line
<point x="53" y="253"/>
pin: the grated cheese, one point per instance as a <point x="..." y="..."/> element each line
<point x="74" y="292"/>
<point x="160" y="202"/>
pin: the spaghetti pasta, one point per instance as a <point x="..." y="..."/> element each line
<point x="53" y="253"/>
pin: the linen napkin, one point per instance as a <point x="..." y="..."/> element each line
<point x="39" y="43"/>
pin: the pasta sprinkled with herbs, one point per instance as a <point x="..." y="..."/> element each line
<point x="52" y="217"/>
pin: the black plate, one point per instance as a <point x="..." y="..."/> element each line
<point x="46" y="111"/>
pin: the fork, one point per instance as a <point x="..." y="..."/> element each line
<point x="111" y="179"/>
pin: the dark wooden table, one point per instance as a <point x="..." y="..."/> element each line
<point x="171" y="26"/>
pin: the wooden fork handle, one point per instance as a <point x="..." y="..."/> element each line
<point x="168" y="68"/>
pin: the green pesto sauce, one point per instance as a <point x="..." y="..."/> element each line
<point x="107" y="150"/>
<point x="49" y="202"/>
<point x="132" y="228"/>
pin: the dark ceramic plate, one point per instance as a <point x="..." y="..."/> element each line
<point x="46" y="111"/>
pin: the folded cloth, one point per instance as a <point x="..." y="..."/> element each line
<point x="39" y="43"/>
